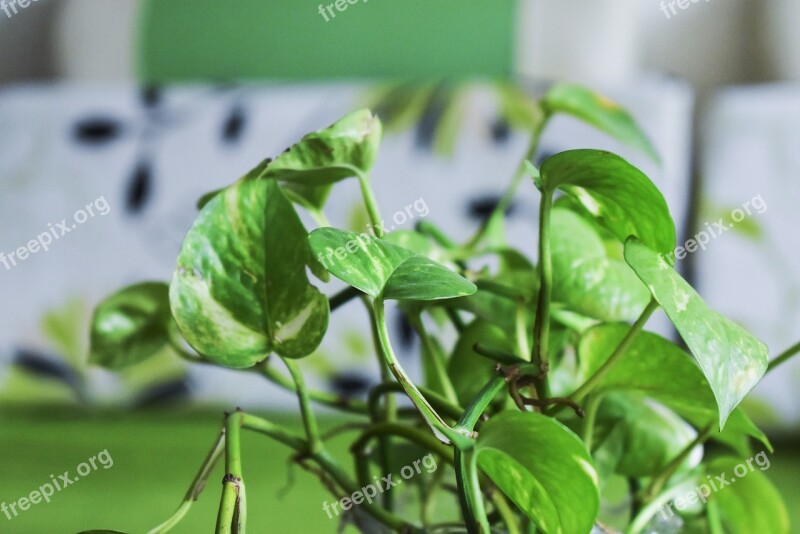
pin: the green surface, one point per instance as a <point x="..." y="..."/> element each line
<point x="191" y="40"/>
<point x="155" y="457"/>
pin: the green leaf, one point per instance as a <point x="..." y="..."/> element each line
<point x="732" y="360"/>
<point x="130" y="326"/>
<point x="383" y="270"/>
<point x="308" y="168"/>
<point x="750" y="503"/>
<point x="254" y="173"/>
<point x="620" y="197"/>
<point x="650" y="435"/>
<point x="240" y="291"/>
<point x="340" y="151"/>
<point x="468" y="370"/>
<point x="499" y="309"/>
<point x="518" y="109"/>
<point x="600" y="112"/>
<point x="657" y="368"/>
<point x="585" y="278"/>
<point x="543" y="468"/>
<point x="415" y="242"/>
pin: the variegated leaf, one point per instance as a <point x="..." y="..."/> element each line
<point x="732" y="360"/>
<point x="383" y="270"/>
<point x="240" y="290"/>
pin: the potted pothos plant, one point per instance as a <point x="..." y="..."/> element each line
<point x="541" y="385"/>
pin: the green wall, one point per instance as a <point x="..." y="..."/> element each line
<point x="195" y="40"/>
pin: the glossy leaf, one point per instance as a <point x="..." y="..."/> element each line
<point x="498" y="309"/>
<point x="467" y="369"/>
<point x="731" y="359"/>
<point x="600" y="112"/>
<point x="657" y="368"/>
<point x="750" y="503"/>
<point x="383" y="270"/>
<point x="130" y="326"/>
<point x="240" y="291"/>
<point x="335" y="153"/>
<point x="585" y="279"/>
<point x="620" y="197"/>
<point x="309" y="168"/>
<point x="649" y="434"/>
<point x="543" y="468"/>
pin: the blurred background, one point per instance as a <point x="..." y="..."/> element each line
<point x="143" y="106"/>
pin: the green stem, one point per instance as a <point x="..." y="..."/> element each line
<point x="502" y="290"/>
<point x="370" y="203"/>
<point x="441" y="404"/>
<point x="714" y="517"/>
<point x="232" y="516"/>
<point x="521" y="329"/>
<point x="328" y="464"/>
<point x="592" y="404"/>
<point x="646" y="514"/>
<point x="508" y="196"/>
<point x="440" y="429"/>
<point x="392" y="521"/>
<point x="541" y="326"/>
<point x="436" y="356"/>
<point x="320" y="397"/>
<point x="479" y="404"/>
<point x="390" y="404"/>
<point x="658" y="481"/>
<point x="432" y="231"/>
<point x="469" y="490"/>
<point x="410" y="433"/>
<point x="455" y="318"/>
<point x="306" y="413"/>
<point x="196" y="487"/>
<point x="612" y="360"/>
<point x="506" y="512"/>
<point x="784" y="356"/>
<point x="262" y="426"/>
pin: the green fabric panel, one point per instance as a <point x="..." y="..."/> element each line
<point x="198" y="40"/>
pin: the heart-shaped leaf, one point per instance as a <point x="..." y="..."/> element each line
<point x="620" y="197"/>
<point x="240" y="290"/>
<point x="543" y="468"/>
<point x="130" y="326"/>
<point x="731" y="359"/>
<point x="499" y="309"/>
<point x="585" y="278"/>
<point x="383" y="270"/>
<point x="657" y="368"/>
<point x="749" y="503"/>
<point x="467" y="369"/>
<point x="648" y="435"/>
<point x="340" y="151"/>
<point x="309" y="168"/>
<point x="600" y="112"/>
